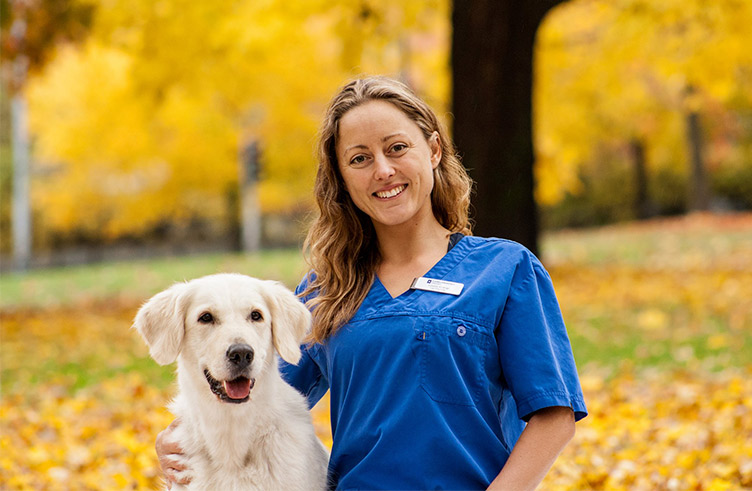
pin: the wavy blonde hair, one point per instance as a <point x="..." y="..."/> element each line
<point x="341" y="245"/>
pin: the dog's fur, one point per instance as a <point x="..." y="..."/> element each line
<point x="264" y="440"/>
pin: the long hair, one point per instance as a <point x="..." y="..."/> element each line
<point x="341" y="245"/>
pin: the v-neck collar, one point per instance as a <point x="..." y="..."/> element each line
<point x="379" y="297"/>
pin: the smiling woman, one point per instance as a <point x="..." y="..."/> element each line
<point x="464" y="333"/>
<point x="343" y="231"/>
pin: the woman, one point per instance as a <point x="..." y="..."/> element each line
<point x="446" y="358"/>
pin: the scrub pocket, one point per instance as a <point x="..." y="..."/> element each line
<point x="452" y="359"/>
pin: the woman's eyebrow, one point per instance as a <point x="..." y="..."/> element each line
<point x="354" y="146"/>
<point x="399" y="133"/>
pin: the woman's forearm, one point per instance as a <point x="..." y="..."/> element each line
<point x="544" y="437"/>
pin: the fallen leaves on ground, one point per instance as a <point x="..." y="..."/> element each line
<point x="100" y="438"/>
<point x="662" y="431"/>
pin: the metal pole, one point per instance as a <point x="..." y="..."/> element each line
<point x="250" y="210"/>
<point x="21" y="202"/>
<point x="21" y="213"/>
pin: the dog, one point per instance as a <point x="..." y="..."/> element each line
<point x="242" y="426"/>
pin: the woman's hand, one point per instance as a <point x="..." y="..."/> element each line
<point x="171" y="458"/>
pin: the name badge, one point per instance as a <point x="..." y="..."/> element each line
<point x="438" y="286"/>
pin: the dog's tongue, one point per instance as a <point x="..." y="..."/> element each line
<point x="238" y="388"/>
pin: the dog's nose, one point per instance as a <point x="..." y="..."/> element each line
<point x="240" y="355"/>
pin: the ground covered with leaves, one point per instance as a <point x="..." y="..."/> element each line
<point x="660" y="318"/>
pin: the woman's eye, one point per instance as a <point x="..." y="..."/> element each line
<point x="206" y="318"/>
<point x="256" y="316"/>
<point x="358" y="160"/>
<point x="399" y="147"/>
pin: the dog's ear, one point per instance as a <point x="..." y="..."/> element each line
<point x="290" y="320"/>
<point x="161" y="322"/>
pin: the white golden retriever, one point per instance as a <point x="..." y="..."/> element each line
<point x="242" y="426"/>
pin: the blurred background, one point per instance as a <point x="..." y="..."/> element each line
<point x="144" y="123"/>
<point x="147" y="142"/>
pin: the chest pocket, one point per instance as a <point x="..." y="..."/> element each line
<point x="452" y="359"/>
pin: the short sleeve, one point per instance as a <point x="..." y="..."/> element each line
<point x="534" y="349"/>
<point x="307" y="376"/>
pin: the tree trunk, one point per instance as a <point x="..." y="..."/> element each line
<point x="699" y="192"/>
<point x="492" y="69"/>
<point x="642" y="205"/>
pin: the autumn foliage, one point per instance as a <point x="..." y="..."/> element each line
<point x="141" y="127"/>
<point x="138" y="128"/>
<point x="612" y="75"/>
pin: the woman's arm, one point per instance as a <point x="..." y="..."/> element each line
<point x="545" y="436"/>
<point x="306" y="376"/>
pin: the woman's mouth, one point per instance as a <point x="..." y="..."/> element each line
<point x="390" y="193"/>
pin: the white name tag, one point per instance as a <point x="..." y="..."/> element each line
<point x="439" y="286"/>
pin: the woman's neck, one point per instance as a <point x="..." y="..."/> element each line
<point x="409" y="252"/>
<point x="401" y="245"/>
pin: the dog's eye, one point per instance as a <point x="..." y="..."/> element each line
<point x="256" y="316"/>
<point x="206" y="318"/>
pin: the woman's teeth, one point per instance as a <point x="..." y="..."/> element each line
<point x="391" y="192"/>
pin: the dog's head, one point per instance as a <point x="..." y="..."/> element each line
<point x="226" y="326"/>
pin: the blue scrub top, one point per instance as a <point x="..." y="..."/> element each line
<point x="431" y="390"/>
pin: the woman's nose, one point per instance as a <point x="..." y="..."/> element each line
<point x="383" y="168"/>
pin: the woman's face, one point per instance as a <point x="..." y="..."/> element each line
<point x="387" y="164"/>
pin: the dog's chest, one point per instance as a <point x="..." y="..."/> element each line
<point x="267" y="460"/>
<point x="256" y="475"/>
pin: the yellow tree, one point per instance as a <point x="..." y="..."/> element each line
<point x="146" y="121"/>
<point x="636" y="74"/>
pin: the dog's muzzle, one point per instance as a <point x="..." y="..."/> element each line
<point x="236" y="390"/>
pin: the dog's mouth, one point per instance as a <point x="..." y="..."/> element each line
<point x="237" y="390"/>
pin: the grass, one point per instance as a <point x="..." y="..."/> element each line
<point x="716" y="240"/>
<point x="74" y="321"/>
<point x="139" y="279"/>
<point x="661" y="294"/>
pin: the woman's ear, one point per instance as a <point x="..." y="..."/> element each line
<point x="434" y="143"/>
